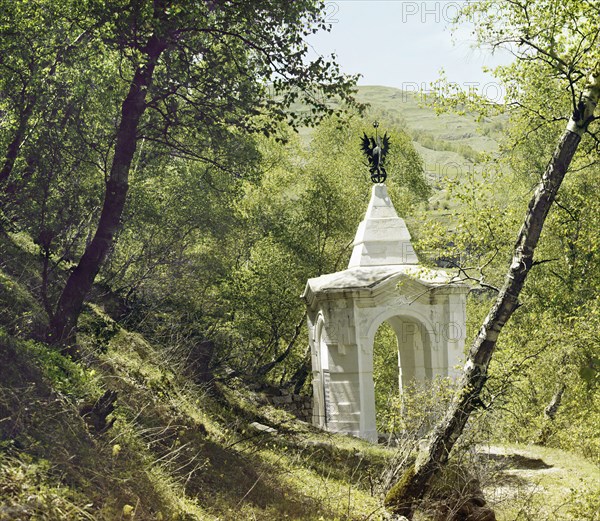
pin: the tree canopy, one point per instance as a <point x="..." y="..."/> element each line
<point x="183" y="78"/>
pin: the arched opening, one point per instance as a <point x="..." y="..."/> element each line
<point x="321" y="376"/>
<point x="401" y="359"/>
<point x="386" y="378"/>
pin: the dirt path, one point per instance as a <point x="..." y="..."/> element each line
<point x="528" y="482"/>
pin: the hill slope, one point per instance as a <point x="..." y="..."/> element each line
<point x="450" y="144"/>
<point x="173" y="448"/>
<point x="168" y="448"/>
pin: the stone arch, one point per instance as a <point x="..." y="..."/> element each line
<point x="383" y="281"/>
<point x="391" y="312"/>
<point x="320" y="373"/>
<point x="414" y="344"/>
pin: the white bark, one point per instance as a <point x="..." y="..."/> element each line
<point x="450" y="428"/>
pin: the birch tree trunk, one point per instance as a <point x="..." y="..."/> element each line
<point x="402" y="498"/>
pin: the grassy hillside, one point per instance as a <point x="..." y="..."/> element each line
<point x="171" y="449"/>
<point x="175" y="448"/>
<point x="449" y="144"/>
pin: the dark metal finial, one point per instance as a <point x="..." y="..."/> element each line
<point x="376" y="150"/>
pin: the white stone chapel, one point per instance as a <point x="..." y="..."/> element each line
<point x="383" y="282"/>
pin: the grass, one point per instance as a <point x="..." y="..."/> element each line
<point x="158" y="461"/>
<point x="177" y="450"/>
<point x="534" y="482"/>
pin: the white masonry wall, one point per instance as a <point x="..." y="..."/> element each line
<point x="383" y="282"/>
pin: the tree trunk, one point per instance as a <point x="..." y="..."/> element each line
<point x="299" y="377"/>
<point x="266" y="368"/>
<point x="403" y="496"/>
<point x="28" y="102"/>
<point x="12" y="150"/>
<point x="550" y="413"/>
<point x="201" y="355"/>
<point x="79" y="283"/>
<point x="552" y="408"/>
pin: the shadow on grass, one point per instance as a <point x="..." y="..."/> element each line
<point x="233" y="481"/>
<point x="517" y="461"/>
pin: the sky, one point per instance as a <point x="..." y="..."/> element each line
<point x="405" y="44"/>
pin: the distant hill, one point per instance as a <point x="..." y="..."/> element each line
<point x="450" y="144"/>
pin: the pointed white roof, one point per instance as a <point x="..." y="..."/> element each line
<point x="382" y="238"/>
<point x="382" y="257"/>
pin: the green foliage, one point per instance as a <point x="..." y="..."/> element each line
<point x="549" y="347"/>
<point x="427" y="140"/>
<point x="410" y="415"/>
<point x="174" y="451"/>
<point x="56" y="370"/>
<point x="61" y="372"/>
<point x="204" y="77"/>
<point x="584" y="503"/>
<point x="263" y="297"/>
<point x="551" y="342"/>
<point x="28" y="490"/>
<point x="386" y="379"/>
<point x="19" y="312"/>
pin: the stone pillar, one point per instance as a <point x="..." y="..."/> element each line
<point x="314" y="339"/>
<point x="368" y="427"/>
<point x="457" y="332"/>
<point x="344" y="410"/>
